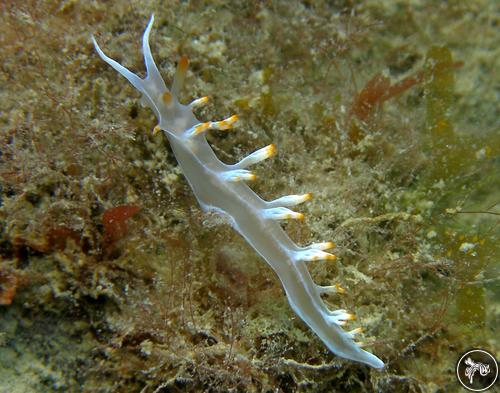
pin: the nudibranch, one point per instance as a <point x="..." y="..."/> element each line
<point x="222" y="188"/>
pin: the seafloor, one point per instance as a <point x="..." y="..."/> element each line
<point x="113" y="280"/>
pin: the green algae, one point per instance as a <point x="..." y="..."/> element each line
<point x="439" y="91"/>
<point x="453" y="155"/>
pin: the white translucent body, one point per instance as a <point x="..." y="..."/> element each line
<point x="215" y="191"/>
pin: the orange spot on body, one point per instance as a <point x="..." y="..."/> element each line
<point x="183" y="64"/>
<point x="329" y="245"/>
<point x="232" y="119"/>
<point x="156" y="130"/>
<point x="202" y="127"/>
<point x="166" y="98"/>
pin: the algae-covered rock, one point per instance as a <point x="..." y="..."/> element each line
<point x="113" y="280"/>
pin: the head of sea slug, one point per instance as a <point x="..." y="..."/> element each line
<point x="173" y="117"/>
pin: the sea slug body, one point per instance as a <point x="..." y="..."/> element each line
<point x="221" y="188"/>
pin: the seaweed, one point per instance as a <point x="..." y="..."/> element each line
<point x="9" y="282"/>
<point x="115" y="224"/>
